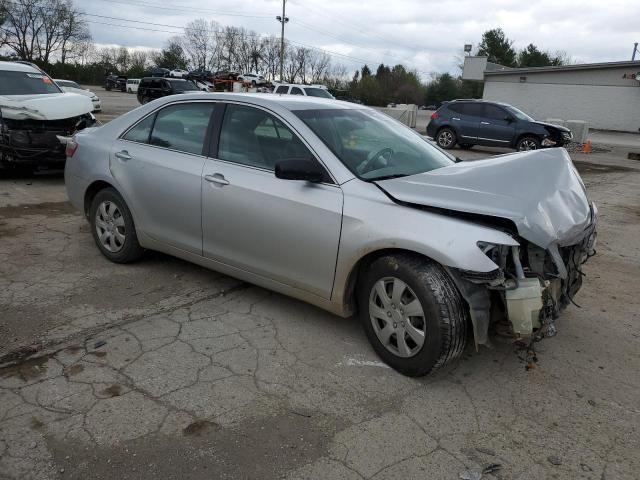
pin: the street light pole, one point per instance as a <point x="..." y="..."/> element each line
<point x="282" y="19"/>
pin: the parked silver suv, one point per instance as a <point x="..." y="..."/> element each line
<point x="345" y="208"/>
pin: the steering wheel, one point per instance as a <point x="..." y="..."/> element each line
<point x="385" y="153"/>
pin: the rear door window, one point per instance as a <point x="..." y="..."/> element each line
<point x="182" y="127"/>
<point x="296" y="91"/>
<point x="282" y="89"/>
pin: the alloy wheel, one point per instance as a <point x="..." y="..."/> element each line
<point x="445" y="139"/>
<point x="397" y="317"/>
<point x="528" y="145"/>
<point x="110" y="226"/>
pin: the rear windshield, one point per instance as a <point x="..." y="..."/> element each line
<point x="317" y="92"/>
<point x="183" y="86"/>
<point x="26" y="83"/>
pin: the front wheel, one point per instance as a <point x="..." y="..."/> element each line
<point x="446" y="138"/>
<point x="145" y="100"/>
<point x="112" y="227"/>
<point x="412" y="313"/>
<point x="528" y="143"/>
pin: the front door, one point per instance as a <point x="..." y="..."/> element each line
<point x="158" y="163"/>
<point x="284" y="230"/>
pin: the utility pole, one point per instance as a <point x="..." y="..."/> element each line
<point x="282" y="19"/>
<point x="635" y="50"/>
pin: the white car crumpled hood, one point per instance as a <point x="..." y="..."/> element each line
<point x="540" y="191"/>
<point x="54" y="106"/>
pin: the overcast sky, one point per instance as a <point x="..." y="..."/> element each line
<point x="424" y="35"/>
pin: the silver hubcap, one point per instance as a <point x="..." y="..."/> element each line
<point x="397" y="317"/>
<point x="528" y="145"/>
<point x="445" y="138"/>
<point x="110" y="226"/>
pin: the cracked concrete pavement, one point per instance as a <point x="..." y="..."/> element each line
<point x="162" y="369"/>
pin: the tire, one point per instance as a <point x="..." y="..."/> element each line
<point x="129" y="91"/>
<point x="466" y="146"/>
<point x="253" y="83"/>
<point x="446" y="138"/>
<point x="528" y="143"/>
<point x="110" y="215"/>
<point x="145" y="100"/>
<point x="444" y="319"/>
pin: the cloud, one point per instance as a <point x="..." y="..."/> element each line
<point x="423" y="35"/>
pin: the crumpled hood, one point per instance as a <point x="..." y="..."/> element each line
<point x="86" y="93"/>
<point x="553" y="125"/>
<point x="53" y="106"/>
<point x="540" y="191"/>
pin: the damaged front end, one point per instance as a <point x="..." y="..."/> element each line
<point x="530" y="287"/>
<point x="35" y="143"/>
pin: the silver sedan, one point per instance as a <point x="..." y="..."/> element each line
<point x="341" y="206"/>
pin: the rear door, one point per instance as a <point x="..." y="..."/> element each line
<point x="497" y="126"/>
<point x="158" y="166"/>
<point x="465" y="119"/>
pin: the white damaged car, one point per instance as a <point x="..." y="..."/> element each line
<point x="35" y="118"/>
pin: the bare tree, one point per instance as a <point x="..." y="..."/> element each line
<point x="271" y="57"/>
<point x="318" y="64"/>
<point x="199" y="42"/>
<point x="39" y="29"/>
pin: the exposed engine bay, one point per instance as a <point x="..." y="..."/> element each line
<point x="34" y="143"/>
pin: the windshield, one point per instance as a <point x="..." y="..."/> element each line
<point x="318" y="92"/>
<point x="372" y="145"/>
<point x="68" y="84"/>
<point x="183" y="86"/>
<point x="519" y="114"/>
<point x="25" y="83"/>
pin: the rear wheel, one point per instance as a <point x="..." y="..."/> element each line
<point x="446" y="138"/>
<point x="145" y="100"/>
<point x="412" y="313"/>
<point x="112" y="227"/>
<point x="528" y="143"/>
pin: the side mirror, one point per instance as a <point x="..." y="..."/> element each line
<point x="508" y="119"/>
<point x="299" y="169"/>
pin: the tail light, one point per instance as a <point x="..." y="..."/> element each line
<point x="71" y="148"/>
<point x="434" y="116"/>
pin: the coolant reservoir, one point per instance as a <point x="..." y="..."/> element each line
<point x="524" y="305"/>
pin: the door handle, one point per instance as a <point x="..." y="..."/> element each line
<point x="123" y="155"/>
<point x="485" y="123"/>
<point x="217" y="178"/>
<point x="455" y="118"/>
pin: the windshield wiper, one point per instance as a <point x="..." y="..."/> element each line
<point x="387" y="177"/>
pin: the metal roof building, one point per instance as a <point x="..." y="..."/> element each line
<point x="606" y="95"/>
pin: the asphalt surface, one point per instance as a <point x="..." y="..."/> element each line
<point x="162" y="369"/>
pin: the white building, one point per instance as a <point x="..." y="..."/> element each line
<point x="606" y="95"/>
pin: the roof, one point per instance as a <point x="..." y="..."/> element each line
<point x="565" y="68"/>
<point x="290" y="102"/>
<point x="18" y="67"/>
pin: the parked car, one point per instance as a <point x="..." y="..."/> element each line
<point x="132" y="85"/>
<point x="178" y="73"/>
<point x="297" y="89"/>
<point x="253" y="78"/>
<point x="72" y="87"/>
<point x="225" y="75"/>
<point x="160" y="72"/>
<point x="476" y="122"/>
<point x="201" y="74"/>
<point x="115" y="82"/>
<point x="34" y="114"/>
<point x="151" y="88"/>
<point x="343" y="207"/>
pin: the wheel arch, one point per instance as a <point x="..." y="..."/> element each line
<point x="91" y="192"/>
<point x="349" y="290"/>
